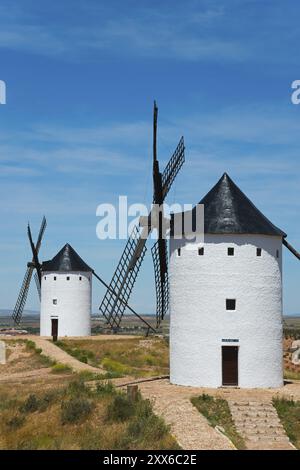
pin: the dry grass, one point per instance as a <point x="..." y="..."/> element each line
<point x="21" y="358"/>
<point x="39" y="421"/>
<point x="135" y="356"/>
<point x="57" y="411"/>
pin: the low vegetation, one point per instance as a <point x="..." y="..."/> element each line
<point x="61" y="368"/>
<point x="44" y="361"/>
<point x="289" y="414"/>
<point x="78" y="417"/>
<point x="217" y="412"/>
<point x="290" y="375"/>
<point x="135" y="356"/>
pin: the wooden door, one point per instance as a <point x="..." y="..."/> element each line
<point x="230" y="365"/>
<point x="54" y="328"/>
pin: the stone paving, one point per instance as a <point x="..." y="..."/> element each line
<point x="173" y="403"/>
<point x="258" y="423"/>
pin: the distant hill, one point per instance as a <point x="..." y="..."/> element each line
<point x="7" y="313"/>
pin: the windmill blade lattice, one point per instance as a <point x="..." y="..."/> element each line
<point x="161" y="282"/>
<point x="22" y="297"/>
<point x="38" y="284"/>
<point x="129" y="265"/>
<point x="173" y="167"/>
<point x="123" y="280"/>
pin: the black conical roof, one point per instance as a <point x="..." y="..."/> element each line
<point x="228" y="210"/>
<point x="66" y="260"/>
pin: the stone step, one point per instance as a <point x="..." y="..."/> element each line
<point x="259" y="424"/>
<point x="245" y="411"/>
<point x="270" y="439"/>
<point x="258" y="432"/>
<point x="249" y="414"/>
<point x="261" y="428"/>
<point x="272" y="422"/>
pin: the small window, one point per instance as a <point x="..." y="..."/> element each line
<point x="201" y="251"/>
<point x="230" y="304"/>
<point x="178" y="251"/>
<point x="54" y="301"/>
<point x="258" y="251"/>
<point x="45" y="278"/>
<point x="80" y="278"/>
<point x="68" y="278"/>
<point x="54" y="278"/>
<point x="230" y="251"/>
<point x="277" y="253"/>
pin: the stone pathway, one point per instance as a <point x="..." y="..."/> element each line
<point x="258" y="423"/>
<point x="191" y="430"/>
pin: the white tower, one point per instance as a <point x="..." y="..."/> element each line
<point x="226" y="297"/>
<point x="66" y="293"/>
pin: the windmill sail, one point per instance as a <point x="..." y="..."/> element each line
<point x="173" y="167"/>
<point x="291" y="248"/>
<point x="124" y="278"/>
<point x="38" y="285"/>
<point x="22" y="297"/>
<point x="161" y="281"/>
<point x="114" y="302"/>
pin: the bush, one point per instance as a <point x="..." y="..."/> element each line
<point x="30" y="345"/>
<point x="114" y="366"/>
<point x="120" y="409"/>
<point x="75" y="409"/>
<point x="49" y="398"/>
<point x="61" y="368"/>
<point x="16" y="422"/>
<point x="77" y="388"/>
<point x="106" y="388"/>
<point x="30" y="405"/>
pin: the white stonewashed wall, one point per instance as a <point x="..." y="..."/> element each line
<point x="199" y="286"/>
<point x="73" y="308"/>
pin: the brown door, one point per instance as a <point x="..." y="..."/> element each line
<point x="54" y="328"/>
<point x="230" y="365"/>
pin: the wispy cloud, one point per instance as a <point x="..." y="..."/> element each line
<point x="191" y="31"/>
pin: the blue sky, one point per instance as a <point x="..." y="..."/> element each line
<point x="81" y="77"/>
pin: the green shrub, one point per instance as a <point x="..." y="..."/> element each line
<point x="30" y="345"/>
<point x="114" y="366"/>
<point x="16" y="422"/>
<point x="61" y="368"/>
<point x="48" y="399"/>
<point x="45" y="360"/>
<point x="289" y="414"/>
<point x="105" y="388"/>
<point x="217" y="412"/>
<point x="77" y="388"/>
<point x="120" y="409"/>
<point x="30" y="405"/>
<point x="75" y="409"/>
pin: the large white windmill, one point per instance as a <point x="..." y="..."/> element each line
<point x="226" y="296"/>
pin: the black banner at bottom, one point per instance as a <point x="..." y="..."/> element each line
<point x="134" y="459"/>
